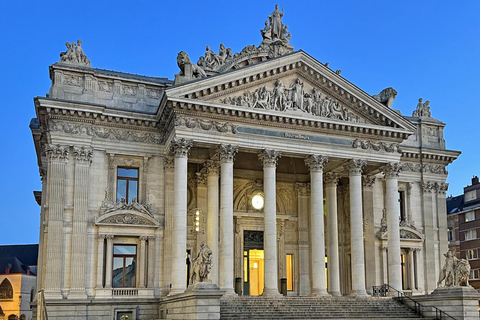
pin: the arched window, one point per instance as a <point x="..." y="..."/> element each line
<point x="6" y="290"/>
<point x="22" y="317"/>
<point x="32" y="294"/>
<point x="12" y="317"/>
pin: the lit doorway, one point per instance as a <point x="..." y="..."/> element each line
<point x="253" y="263"/>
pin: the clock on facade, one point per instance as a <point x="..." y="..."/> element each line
<point x="257" y="201"/>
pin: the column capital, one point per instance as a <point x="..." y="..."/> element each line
<point x="102" y="236"/>
<point x="441" y="187"/>
<point x="109" y="237"/>
<point x="355" y="167"/>
<point x="369" y="181"/>
<point x="302" y="188"/>
<point x="180" y="148"/>
<point x="392" y="170"/>
<point x="212" y="167"/>
<point x="227" y="152"/>
<point x="82" y="155"/>
<point x="269" y="158"/>
<point x="168" y="163"/>
<point x="331" y="178"/>
<point x="316" y="162"/>
<point x="57" y="152"/>
<point x="201" y="177"/>
<point x="427" y="186"/>
<point x="143" y="238"/>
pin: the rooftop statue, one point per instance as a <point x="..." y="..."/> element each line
<point x="386" y="96"/>
<point x="74" y="54"/>
<point x="455" y="272"/>
<point x="188" y="70"/>
<point x="423" y="109"/>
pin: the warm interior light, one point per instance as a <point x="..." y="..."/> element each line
<point x="197" y="213"/>
<point x="197" y="218"/>
<point x="257" y="201"/>
<point x="197" y="223"/>
<point x="197" y="229"/>
<point x="255" y="265"/>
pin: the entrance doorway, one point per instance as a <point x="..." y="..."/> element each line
<point x="253" y="263"/>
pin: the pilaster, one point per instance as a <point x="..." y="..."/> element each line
<point x="303" y="209"/>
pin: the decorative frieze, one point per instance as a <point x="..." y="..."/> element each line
<point x="227" y="152"/>
<point x="127" y="219"/>
<point x="355" y="166"/>
<point x="392" y="170"/>
<point x="380" y="146"/>
<point x="206" y="125"/>
<point x="316" y="162"/>
<point x="180" y="148"/>
<point x="123" y="135"/>
<point x="269" y="158"/>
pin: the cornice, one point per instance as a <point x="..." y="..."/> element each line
<point x="196" y="108"/>
<point x="430" y="155"/>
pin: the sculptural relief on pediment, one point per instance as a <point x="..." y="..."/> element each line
<point x="123" y="213"/>
<point x="293" y="96"/>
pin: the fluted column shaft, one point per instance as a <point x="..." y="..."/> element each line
<point x="212" y="216"/>
<point x="109" y="261"/>
<point x="227" y="155"/>
<point x="180" y="149"/>
<point x="269" y="159"/>
<point x="394" y="263"/>
<point x="317" y="235"/>
<point x="331" y="181"/>
<point x="356" y="228"/>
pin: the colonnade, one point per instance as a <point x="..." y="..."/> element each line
<point x="225" y="251"/>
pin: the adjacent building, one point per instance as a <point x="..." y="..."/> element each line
<point x="463" y="214"/>
<point x="18" y="281"/>
<point x="239" y="151"/>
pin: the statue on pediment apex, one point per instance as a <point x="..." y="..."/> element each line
<point x="188" y="70"/>
<point x="386" y="96"/>
<point x="274" y="29"/>
<point x="423" y="109"/>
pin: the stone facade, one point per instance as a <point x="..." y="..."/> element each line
<point x="273" y="128"/>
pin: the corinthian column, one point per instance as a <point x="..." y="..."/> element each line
<point x="331" y="180"/>
<point x="227" y="155"/>
<point x="317" y="232"/>
<point x="269" y="159"/>
<point x="212" y="216"/>
<point x="354" y="169"/>
<point x="180" y="149"/>
<point x="391" y="171"/>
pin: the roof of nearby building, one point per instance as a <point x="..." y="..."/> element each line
<point x="26" y="253"/>
<point x="454" y="204"/>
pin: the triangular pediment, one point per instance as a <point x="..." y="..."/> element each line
<point x="294" y="85"/>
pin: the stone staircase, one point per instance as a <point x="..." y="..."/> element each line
<point x="286" y="308"/>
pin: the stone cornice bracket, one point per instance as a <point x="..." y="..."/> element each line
<point x="82" y="155"/>
<point x="355" y="167"/>
<point x="368" y="182"/>
<point x="392" y="170"/>
<point x="427" y="186"/>
<point x="441" y="187"/>
<point x="269" y="158"/>
<point x="212" y="167"/>
<point x="180" y="148"/>
<point x="316" y="162"/>
<point x="302" y="188"/>
<point x="57" y="152"/>
<point x="331" y="178"/>
<point x="227" y="152"/>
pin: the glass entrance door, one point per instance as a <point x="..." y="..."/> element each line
<point x="253" y="263"/>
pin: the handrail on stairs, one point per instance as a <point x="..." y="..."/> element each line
<point x="383" y="290"/>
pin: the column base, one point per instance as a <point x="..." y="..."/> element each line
<point x="269" y="292"/>
<point x="229" y="292"/>
<point x="319" y="293"/>
<point x="359" y="293"/>
<point x="174" y="292"/>
<point x="336" y="294"/>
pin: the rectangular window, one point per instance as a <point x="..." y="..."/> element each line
<point x="290" y="275"/>
<point x="474" y="274"/>
<point x="471" y="234"/>
<point x="450" y="235"/>
<point x="472" y="254"/>
<point x="124" y="315"/>
<point x="470" y="195"/>
<point x="401" y="206"/>
<point x="469" y="216"/>
<point x="124" y="266"/>
<point x="127" y="184"/>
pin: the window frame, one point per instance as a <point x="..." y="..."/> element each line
<point x="471" y="231"/>
<point x="125" y="256"/>
<point x="470" y="213"/>
<point x="127" y="185"/>
<point x="10" y="287"/>
<point x="472" y="254"/>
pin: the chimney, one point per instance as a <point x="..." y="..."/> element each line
<point x="474" y="180"/>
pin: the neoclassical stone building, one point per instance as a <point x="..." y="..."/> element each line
<point x="285" y="169"/>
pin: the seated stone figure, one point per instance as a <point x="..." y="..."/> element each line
<point x="188" y="70"/>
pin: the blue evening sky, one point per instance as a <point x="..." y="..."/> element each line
<point x="428" y="49"/>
